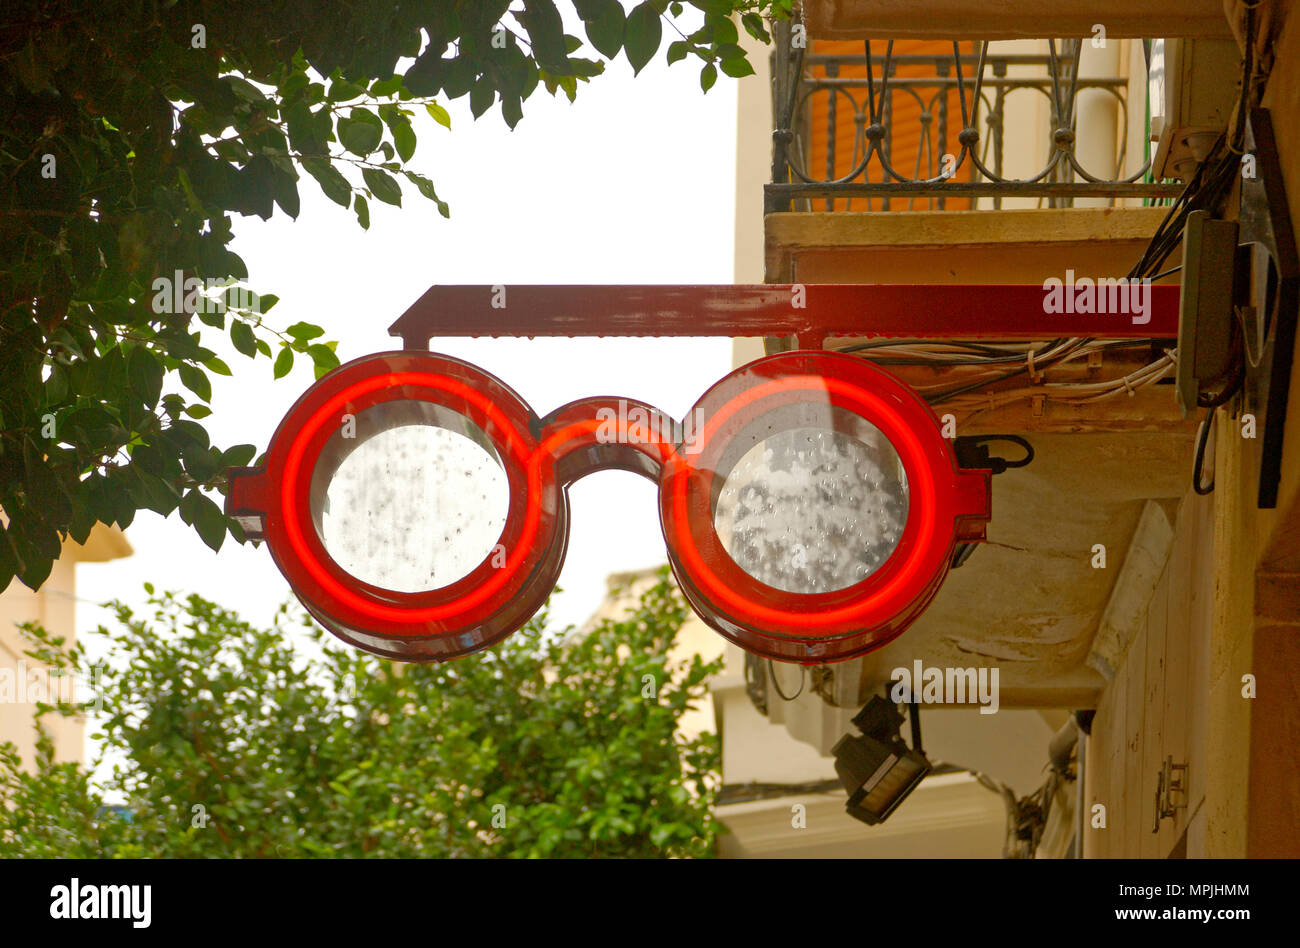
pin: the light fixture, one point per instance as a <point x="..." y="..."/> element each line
<point x="877" y="769"/>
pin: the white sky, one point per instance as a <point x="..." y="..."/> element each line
<point x="633" y="183"/>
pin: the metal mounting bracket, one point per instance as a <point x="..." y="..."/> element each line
<point x="1273" y="292"/>
<point x="1171" y="791"/>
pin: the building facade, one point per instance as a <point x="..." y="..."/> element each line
<point x="1142" y="627"/>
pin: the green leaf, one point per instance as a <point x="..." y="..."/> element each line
<point x="196" y="380"/>
<point x="481" y="97"/>
<point x="187" y="432"/>
<point x="56" y="386"/>
<point x="360" y="132"/>
<point x="404" y="139"/>
<point x="362" y="209"/>
<point x="209" y="521"/>
<point x="755" y="27"/>
<point x="213" y="364"/>
<point x="708" y="76"/>
<point x="201" y="463"/>
<point x="605" y="26"/>
<point x="724" y="31"/>
<point x="546" y="34"/>
<point x="283" y="363"/>
<point x="342" y="91"/>
<point x="425" y="187"/>
<point x="285" y="189"/>
<point x="642" y="35"/>
<point x="145" y="371"/>
<point x="245" y="90"/>
<point x="238" y="456"/>
<point x="323" y="357"/>
<point x="383" y="186"/>
<point x="334" y="185"/>
<point x="438" y="114"/>
<point x="736" y="68"/>
<point x="241" y="334"/>
<point x="304" y="331"/>
<point x="384" y="88"/>
<point x="512" y="109"/>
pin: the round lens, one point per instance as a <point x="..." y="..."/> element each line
<point x="812" y="510"/>
<point x="409" y="507"/>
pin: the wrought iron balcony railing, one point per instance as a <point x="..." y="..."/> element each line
<point x="922" y="167"/>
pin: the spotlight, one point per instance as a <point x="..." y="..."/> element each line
<point x="877" y="769"/>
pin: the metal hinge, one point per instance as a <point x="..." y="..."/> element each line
<point x="1171" y="791"/>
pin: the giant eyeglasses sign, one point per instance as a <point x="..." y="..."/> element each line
<point x="419" y="506"/>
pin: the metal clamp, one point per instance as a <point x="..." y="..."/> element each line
<point x="1171" y="791"/>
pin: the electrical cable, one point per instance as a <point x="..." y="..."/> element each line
<point x="1202" y="437"/>
<point x="777" y="688"/>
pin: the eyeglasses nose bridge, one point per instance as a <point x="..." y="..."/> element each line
<point x="607" y="433"/>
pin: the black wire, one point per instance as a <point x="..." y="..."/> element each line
<point x="1010" y="439"/>
<point x="1202" y="436"/>
<point x="962" y="390"/>
<point x="777" y="688"/>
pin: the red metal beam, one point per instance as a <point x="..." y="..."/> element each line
<point x="920" y="311"/>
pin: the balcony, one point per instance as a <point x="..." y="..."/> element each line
<point x="934" y="125"/>
<point x="854" y="19"/>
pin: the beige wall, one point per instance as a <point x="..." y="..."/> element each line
<point x="54" y="607"/>
<point x="1233" y="611"/>
<point x="1155" y="706"/>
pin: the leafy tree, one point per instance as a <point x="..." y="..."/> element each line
<point x="131" y="134"/>
<point x="541" y="746"/>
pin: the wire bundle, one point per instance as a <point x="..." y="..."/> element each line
<point x="1006" y="361"/>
